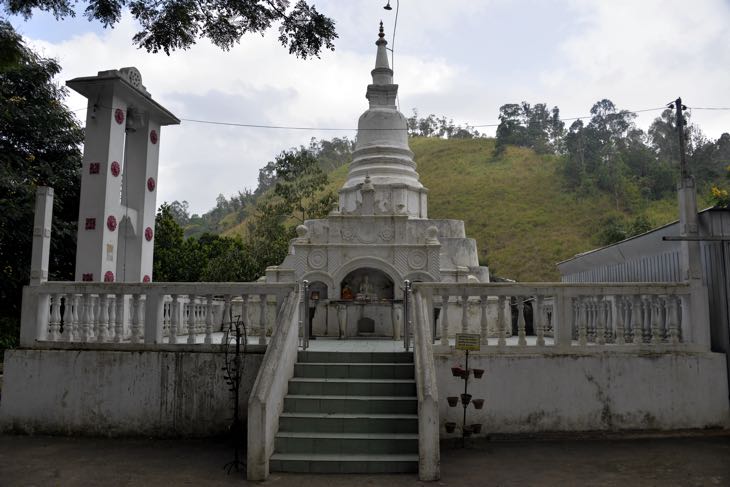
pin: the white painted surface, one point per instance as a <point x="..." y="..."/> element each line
<point x="120" y="393"/>
<point x="267" y="395"/>
<point x="530" y="393"/>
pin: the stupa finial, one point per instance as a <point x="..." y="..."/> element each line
<point x="381" y="33"/>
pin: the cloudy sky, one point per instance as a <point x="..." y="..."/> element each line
<point x="459" y="58"/>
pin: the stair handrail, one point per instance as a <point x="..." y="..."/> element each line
<point x="429" y="455"/>
<point x="267" y="395"/>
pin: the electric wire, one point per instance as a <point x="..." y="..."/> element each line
<point x="354" y="129"/>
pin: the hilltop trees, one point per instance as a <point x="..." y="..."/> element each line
<point x="172" y="25"/>
<point x="524" y="125"/>
<point x="39" y="145"/>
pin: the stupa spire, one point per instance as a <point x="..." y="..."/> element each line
<point x="382" y="74"/>
<point x="382" y="163"/>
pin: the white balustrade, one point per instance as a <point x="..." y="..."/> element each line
<point x="589" y="316"/>
<point x="118" y="313"/>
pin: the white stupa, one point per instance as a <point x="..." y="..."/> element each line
<point x="358" y="257"/>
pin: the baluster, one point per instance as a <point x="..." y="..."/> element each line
<point x="685" y="334"/>
<point x="112" y="327"/>
<point x="538" y="321"/>
<point x="93" y="315"/>
<point x="593" y="322"/>
<point x="636" y="320"/>
<point x="483" y="320"/>
<point x="575" y="330"/>
<point x="521" y="340"/>
<point x="444" y="319"/>
<point x="672" y="317"/>
<point x="617" y="319"/>
<point x="86" y="318"/>
<point x="583" y="320"/>
<point x="74" y="331"/>
<point x="464" y="313"/>
<point x="118" y="318"/>
<point x="67" y="317"/>
<point x="174" y="319"/>
<point x="208" y="319"/>
<point x="134" y="310"/>
<point x="600" y="321"/>
<point x="656" y="336"/>
<point x="191" y="319"/>
<point x="101" y="332"/>
<point x="501" y="339"/>
<point x="54" y="318"/>
<point x="262" y="319"/>
<point x="244" y="310"/>
<point x="226" y="316"/>
<point x="664" y="317"/>
<point x="646" y="321"/>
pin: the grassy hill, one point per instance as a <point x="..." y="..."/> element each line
<point x="517" y="207"/>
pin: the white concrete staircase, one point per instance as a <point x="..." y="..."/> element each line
<point x="349" y="413"/>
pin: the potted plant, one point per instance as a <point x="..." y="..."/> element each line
<point x="478" y="403"/>
<point x="453" y="401"/>
<point x="450" y="427"/>
<point x="478" y="373"/>
<point x="458" y="371"/>
<point x="465" y="399"/>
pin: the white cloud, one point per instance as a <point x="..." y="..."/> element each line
<point x="462" y="59"/>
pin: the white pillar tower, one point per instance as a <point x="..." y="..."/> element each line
<point x="119" y="177"/>
<point x="382" y="152"/>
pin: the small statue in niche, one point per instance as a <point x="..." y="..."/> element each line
<point x="346" y="292"/>
<point x="365" y="288"/>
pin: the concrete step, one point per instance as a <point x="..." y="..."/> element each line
<point x="355" y="357"/>
<point x="351" y="404"/>
<point x="352" y="387"/>
<point x="346" y="443"/>
<point x="333" y="370"/>
<point x="348" y="423"/>
<point x="340" y="463"/>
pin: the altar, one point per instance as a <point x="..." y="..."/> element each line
<point x="353" y="318"/>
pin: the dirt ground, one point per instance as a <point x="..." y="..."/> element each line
<point x="59" y="461"/>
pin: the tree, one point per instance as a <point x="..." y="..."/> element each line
<point x="39" y="146"/>
<point x="524" y="125"/>
<point x="171" y="25"/>
<point x="298" y="180"/>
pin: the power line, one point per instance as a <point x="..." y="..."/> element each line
<point x="353" y="129"/>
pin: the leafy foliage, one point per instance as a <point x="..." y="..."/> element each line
<point x="39" y="146"/>
<point x="529" y="126"/>
<point x="433" y="126"/>
<point x="178" y="24"/>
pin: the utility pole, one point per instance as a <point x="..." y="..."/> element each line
<point x="681" y="123"/>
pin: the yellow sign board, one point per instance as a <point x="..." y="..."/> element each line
<point x="468" y="341"/>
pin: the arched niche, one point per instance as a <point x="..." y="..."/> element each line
<point x="368" y="283"/>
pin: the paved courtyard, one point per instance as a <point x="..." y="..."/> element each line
<point x="56" y="461"/>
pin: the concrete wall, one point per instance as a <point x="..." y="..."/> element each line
<point x="92" y="392"/>
<point x="610" y="391"/>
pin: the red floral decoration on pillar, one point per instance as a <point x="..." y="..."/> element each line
<point x="109" y="276"/>
<point x="111" y="223"/>
<point x="115" y="168"/>
<point x="148" y="233"/>
<point x="119" y="116"/>
<point x="146" y="278"/>
<point x="94" y="168"/>
<point x="151" y="184"/>
<point x="90" y="224"/>
<point x="153" y="136"/>
<point x="87" y="277"/>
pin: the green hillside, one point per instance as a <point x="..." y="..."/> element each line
<point x="517" y="207"/>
